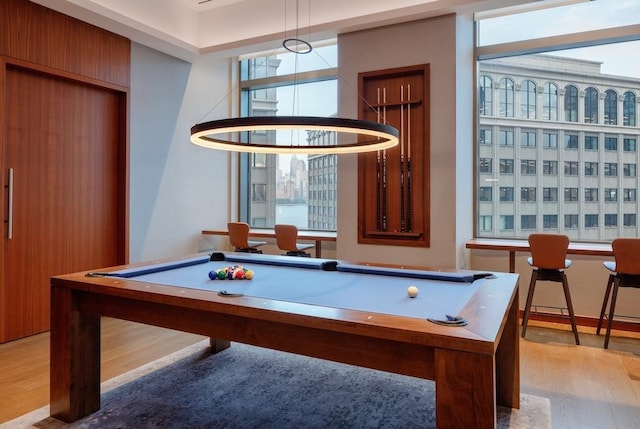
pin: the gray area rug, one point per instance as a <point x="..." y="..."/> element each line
<point x="251" y="387"/>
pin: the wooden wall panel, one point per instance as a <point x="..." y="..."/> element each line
<point x="33" y="33"/>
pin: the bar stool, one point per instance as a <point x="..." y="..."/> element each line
<point x="286" y="239"/>
<point x="239" y="238"/>
<point x="624" y="272"/>
<point x="548" y="259"/>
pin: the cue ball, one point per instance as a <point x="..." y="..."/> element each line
<point x="412" y="291"/>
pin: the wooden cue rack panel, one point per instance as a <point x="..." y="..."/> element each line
<point x="393" y="184"/>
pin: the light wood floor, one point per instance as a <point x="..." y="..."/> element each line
<point x="588" y="387"/>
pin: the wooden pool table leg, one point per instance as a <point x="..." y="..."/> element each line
<point x="218" y="345"/>
<point x="75" y="357"/>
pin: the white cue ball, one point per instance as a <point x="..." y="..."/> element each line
<point x="412" y="291"/>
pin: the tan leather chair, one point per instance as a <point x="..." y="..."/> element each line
<point x="548" y="259"/>
<point x="239" y="238"/>
<point x="286" y="239"/>
<point x="625" y="272"/>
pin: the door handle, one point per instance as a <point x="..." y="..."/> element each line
<point x="10" y="205"/>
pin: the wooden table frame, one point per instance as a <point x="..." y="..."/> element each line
<point x="304" y="235"/>
<point x="513" y="246"/>
<point x="475" y="367"/>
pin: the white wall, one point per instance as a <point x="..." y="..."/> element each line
<point x="432" y="41"/>
<point x="176" y="188"/>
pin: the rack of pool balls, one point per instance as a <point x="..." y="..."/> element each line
<point x="235" y="272"/>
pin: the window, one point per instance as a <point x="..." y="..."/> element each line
<point x="506" y="194"/>
<point x="528" y="166"/>
<point x="528" y="138"/>
<point x="485" y="137"/>
<point x="550" y="194"/>
<point x="506" y="222"/>
<point x="486" y="165"/>
<point x="550" y="140"/>
<point x="486" y="193"/>
<point x="485" y="97"/>
<point x="485" y="223"/>
<point x="287" y="188"/>
<point x="571" y="141"/>
<point x="527" y="194"/>
<point x="528" y="100"/>
<point x="591" y="142"/>
<point x="571" y="103"/>
<point x="571" y="168"/>
<point x="571" y="221"/>
<point x="506" y="166"/>
<point x="610" y="107"/>
<point x="629" y="219"/>
<point x="611" y="219"/>
<point x="528" y="221"/>
<point x="629" y="194"/>
<point x="591" y="195"/>
<point x="550" y="168"/>
<point x="506" y="97"/>
<point x="570" y="194"/>
<point x="506" y="138"/>
<point x="590" y="168"/>
<point x="550" y="102"/>
<point x="610" y="194"/>
<point x="591" y="221"/>
<point x="611" y="143"/>
<point x="610" y="169"/>
<point x="591" y="106"/>
<point x="629" y="145"/>
<point x="629" y="170"/>
<point x="550" y="221"/>
<point x="629" y="109"/>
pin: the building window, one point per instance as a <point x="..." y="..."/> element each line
<point x="506" y="138"/>
<point x="550" y="140"/>
<point x="550" y="194"/>
<point x="591" y="142"/>
<point x="591" y="106"/>
<point x="590" y="168"/>
<point x="611" y="143"/>
<point x="571" y="221"/>
<point x="570" y="194"/>
<point x="629" y="109"/>
<point x="528" y="100"/>
<point x="550" y="102"/>
<point x="591" y="221"/>
<point x="629" y="219"/>
<point x="629" y="194"/>
<point x="610" y="169"/>
<point x="550" y="168"/>
<point x="611" y="194"/>
<point x="485" y="137"/>
<point x="571" y="168"/>
<point x="550" y="221"/>
<point x="527" y="194"/>
<point x="591" y="195"/>
<point x="629" y="170"/>
<point x="486" y="193"/>
<point x="571" y="104"/>
<point x="506" y="194"/>
<point x="528" y="166"/>
<point x="485" y="96"/>
<point x="610" y="219"/>
<point x="571" y="141"/>
<point x="528" y="221"/>
<point x="486" y="165"/>
<point x="506" y="223"/>
<point x="629" y="145"/>
<point x="506" y="166"/>
<point x="528" y="138"/>
<point x="485" y="223"/>
<point x="610" y="107"/>
<point x="506" y="97"/>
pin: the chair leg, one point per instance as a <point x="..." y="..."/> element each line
<point x="605" y="301"/>
<point x="614" y="296"/>
<point x="527" y="306"/>
<point x="572" y="317"/>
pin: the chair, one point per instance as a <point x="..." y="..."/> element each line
<point x="286" y="239"/>
<point x="548" y="253"/>
<point x="239" y="238"/>
<point x="624" y="272"/>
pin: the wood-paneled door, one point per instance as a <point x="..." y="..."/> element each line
<point x="64" y="175"/>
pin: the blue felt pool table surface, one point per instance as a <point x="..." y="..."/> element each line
<point x="301" y="280"/>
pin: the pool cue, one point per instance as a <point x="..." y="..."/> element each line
<point x="409" y="209"/>
<point x="384" y="164"/>
<point x="402" y="211"/>
<point x="378" y="184"/>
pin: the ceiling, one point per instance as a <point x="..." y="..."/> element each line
<point x="188" y="28"/>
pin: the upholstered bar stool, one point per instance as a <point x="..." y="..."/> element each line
<point x="239" y="238"/>
<point x="548" y="259"/>
<point x="624" y="272"/>
<point x="286" y="239"/>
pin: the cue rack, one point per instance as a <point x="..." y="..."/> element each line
<point x="393" y="184"/>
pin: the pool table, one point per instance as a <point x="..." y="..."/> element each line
<point x="354" y="313"/>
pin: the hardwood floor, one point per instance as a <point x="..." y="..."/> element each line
<point x="588" y="387"/>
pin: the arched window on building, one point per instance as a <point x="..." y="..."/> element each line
<point x="550" y="102"/>
<point x="610" y="107"/>
<point x="506" y="97"/>
<point x="485" y="96"/>
<point x="591" y="106"/>
<point x="528" y="100"/>
<point x="629" y="109"/>
<point x="571" y="103"/>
